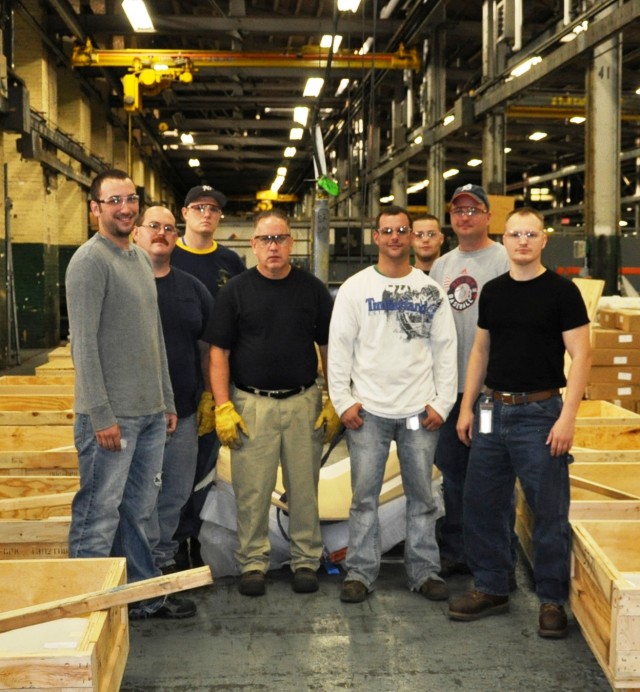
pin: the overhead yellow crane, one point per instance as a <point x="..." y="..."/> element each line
<point x="153" y="70"/>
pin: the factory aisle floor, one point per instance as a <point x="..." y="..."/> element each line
<point x="394" y="641"/>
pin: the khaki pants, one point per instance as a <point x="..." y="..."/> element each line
<point x="280" y="431"/>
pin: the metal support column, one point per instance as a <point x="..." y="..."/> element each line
<point x="494" y="137"/>
<point x="602" y="156"/>
<point x="399" y="184"/>
<point x="320" y="229"/>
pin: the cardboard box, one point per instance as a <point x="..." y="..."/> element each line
<point x="614" y="338"/>
<point x="614" y="356"/>
<point x="612" y="392"/>
<point x="86" y="653"/>
<point x="606" y="374"/>
<point x="607" y="318"/>
<point x="628" y="320"/>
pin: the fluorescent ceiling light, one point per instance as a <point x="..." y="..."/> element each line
<point x="537" y="136"/>
<point x="525" y="66"/>
<point x="186" y="138"/>
<point x="194" y="163"/>
<point x="474" y="162"/>
<point x="416" y="187"/>
<point x="450" y="173"/>
<point x="207" y="147"/>
<point x="348" y="5"/>
<point x="301" y="115"/>
<point x="327" y="39"/>
<point x="577" y="119"/>
<point x="366" y="46"/>
<point x="313" y="87"/>
<point x="448" y="119"/>
<point x="296" y="133"/>
<point x="289" y="152"/>
<point x="282" y="170"/>
<point x="277" y="183"/>
<point x="507" y="150"/>
<point x="418" y="140"/>
<point x="138" y="15"/>
<point x="638" y="91"/>
<point x="344" y="83"/>
<point x="622" y="222"/>
<point x="387" y="199"/>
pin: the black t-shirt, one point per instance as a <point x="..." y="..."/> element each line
<point x="186" y="309"/>
<point x="525" y="320"/>
<point x="213" y="267"/>
<point x="271" y="327"/>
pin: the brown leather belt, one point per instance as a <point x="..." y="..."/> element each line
<point x="518" y="398"/>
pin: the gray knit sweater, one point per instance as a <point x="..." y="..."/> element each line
<point x="116" y="335"/>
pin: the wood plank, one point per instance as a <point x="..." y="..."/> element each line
<point x="37" y="379"/>
<point x="20" y="463"/>
<point x="615" y="479"/>
<point x="608" y="437"/>
<point x="29" y="486"/>
<point x="37" y="507"/>
<point x="39" y="389"/>
<point x="36" y="437"/>
<point x="582" y="454"/>
<point x="106" y="598"/>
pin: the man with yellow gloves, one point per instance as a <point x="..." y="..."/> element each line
<point x="263" y="368"/>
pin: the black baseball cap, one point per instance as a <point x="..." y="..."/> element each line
<point x="474" y="191"/>
<point x="202" y="191"/>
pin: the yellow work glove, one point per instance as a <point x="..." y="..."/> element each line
<point x="206" y="415"/>
<point x="228" y="421"/>
<point x="331" y="421"/>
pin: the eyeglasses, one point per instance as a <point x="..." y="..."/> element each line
<point x="529" y="235"/>
<point x="403" y="230"/>
<point x="155" y="226"/>
<point x="119" y="200"/>
<point x="203" y="208"/>
<point x="266" y="240"/>
<point x="426" y="234"/>
<point x="467" y="211"/>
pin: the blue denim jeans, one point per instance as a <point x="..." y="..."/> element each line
<point x="369" y="449"/>
<point x="178" y="473"/>
<point x="517" y="447"/>
<point x="118" y="492"/>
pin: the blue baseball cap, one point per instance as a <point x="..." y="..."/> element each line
<point x="474" y="191"/>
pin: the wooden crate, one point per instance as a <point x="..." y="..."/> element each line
<point x="88" y="653"/>
<point x="599" y="412"/>
<point x="38" y="389"/>
<point x="37" y="450"/>
<point x="36" y="410"/>
<point x="34" y="438"/>
<point x="608" y="436"/>
<point x="56" y="463"/>
<point x="37" y="497"/>
<point x="605" y="596"/>
<point x="58" y="366"/>
<point x="40" y="380"/>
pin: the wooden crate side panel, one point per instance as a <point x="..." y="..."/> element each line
<point x="63" y="389"/>
<point x="36" y="417"/>
<point x="624" y="510"/>
<point x="38" y="507"/>
<point x="624" y="656"/>
<point x="597" y="408"/>
<point x="608" y="437"/>
<point x="55" y="673"/>
<point x="581" y="455"/>
<point x="36" y="438"/>
<point x="30" y="486"/>
<point x="35" y="380"/>
<point x="39" y="463"/>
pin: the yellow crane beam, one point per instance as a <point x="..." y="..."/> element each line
<point x="136" y="59"/>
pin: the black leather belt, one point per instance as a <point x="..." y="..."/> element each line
<point x="275" y="393"/>
<point x="518" y="398"/>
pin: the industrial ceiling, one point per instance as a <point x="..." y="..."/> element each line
<point x="239" y="105"/>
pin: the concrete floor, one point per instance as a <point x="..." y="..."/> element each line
<point x="394" y="641"/>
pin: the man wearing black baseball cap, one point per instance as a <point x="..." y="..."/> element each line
<point x="198" y="254"/>
<point x="462" y="273"/>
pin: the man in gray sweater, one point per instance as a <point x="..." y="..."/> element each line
<point x="123" y="398"/>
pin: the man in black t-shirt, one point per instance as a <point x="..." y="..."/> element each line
<point x="267" y="323"/>
<point x="185" y="310"/>
<point x="521" y="426"/>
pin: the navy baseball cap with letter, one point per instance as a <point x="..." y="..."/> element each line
<point x="474" y="191"/>
<point x="204" y="192"/>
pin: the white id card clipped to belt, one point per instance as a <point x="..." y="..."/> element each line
<point x="413" y="423"/>
<point x="486" y="416"/>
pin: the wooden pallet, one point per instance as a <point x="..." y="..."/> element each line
<point x="86" y="653"/>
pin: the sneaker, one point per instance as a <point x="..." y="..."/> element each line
<point x="353" y="591"/>
<point x="552" y="621"/>
<point x="449" y="567"/>
<point x="175" y="608"/>
<point x="434" y="590"/>
<point x="252" y="583"/>
<point x="305" y="580"/>
<point x="476" y="604"/>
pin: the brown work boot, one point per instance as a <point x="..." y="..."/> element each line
<point x="552" y="621"/>
<point x="434" y="590"/>
<point x="353" y="591"/>
<point x="252" y="583"/>
<point x="476" y="604"/>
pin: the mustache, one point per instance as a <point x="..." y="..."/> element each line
<point x="159" y="239"/>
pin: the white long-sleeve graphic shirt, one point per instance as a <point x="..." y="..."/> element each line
<point x="392" y="345"/>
